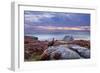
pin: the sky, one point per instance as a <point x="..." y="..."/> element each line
<point x="37" y="21"/>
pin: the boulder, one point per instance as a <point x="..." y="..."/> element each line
<point x="64" y="53"/>
<point x="85" y="53"/>
<point x="59" y="52"/>
<point x="82" y="51"/>
<point x="68" y="38"/>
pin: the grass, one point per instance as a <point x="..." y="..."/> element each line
<point x="35" y="56"/>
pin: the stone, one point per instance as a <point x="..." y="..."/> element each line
<point x="68" y="38"/>
<point x="59" y="52"/>
<point x="64" y="53"/>
<point x="82" y="51"/>
<point x="86" y="53"/>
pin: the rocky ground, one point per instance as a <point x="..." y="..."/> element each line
<point x="35" y="50"/>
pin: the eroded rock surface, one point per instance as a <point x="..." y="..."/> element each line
<point x="63" y="52"/>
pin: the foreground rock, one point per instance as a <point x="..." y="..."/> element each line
<point x="59" y="52"/>
<point x="82" y="51"/>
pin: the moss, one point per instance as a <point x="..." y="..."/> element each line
<point x="35" y="56"/>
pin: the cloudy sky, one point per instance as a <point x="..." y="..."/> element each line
<point x="55" y="21"/>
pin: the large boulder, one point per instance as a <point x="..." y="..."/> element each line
<point x="68" y="38"/>
<point x="59" y="52"/>
<point x="64" y="53"/>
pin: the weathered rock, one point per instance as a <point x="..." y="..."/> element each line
<point x="82" y="51"/>
<point x="59" y="52"/>
<point x="85" y="53"/>
<point x="64" y="53"/>
<point x="68" y="38"/>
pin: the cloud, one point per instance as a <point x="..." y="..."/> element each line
<point x="84" y="28"/>
<point x="29" y="17"/>
<point x="58" y="19"/>
<point x="73" y="17"/>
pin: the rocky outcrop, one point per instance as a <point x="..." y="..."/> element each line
<point x="63" y="52"/>
<point x="68" y="38"/>
<point x="59" y="52"/>
<point x="82" y="51"/>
